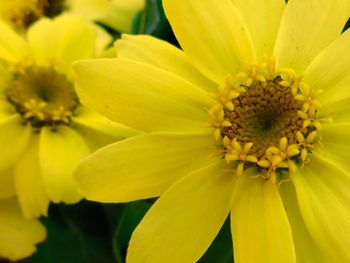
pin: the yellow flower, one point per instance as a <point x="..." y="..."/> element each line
<point x="18" y="234"/>
<point x="236" y="123"/>
<point x="44" y="130"/>
<point x="117" y="14"/>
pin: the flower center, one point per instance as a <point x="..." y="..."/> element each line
<point x="267" y="120"/>
<point x="263" y="115"/>
<point x="42" y="96"/>
<point x="22" y="13"/>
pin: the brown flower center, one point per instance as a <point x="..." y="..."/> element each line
<point x="263" y="115"/>
<point x="42" y="96"/>
<point x="22" y="13"/>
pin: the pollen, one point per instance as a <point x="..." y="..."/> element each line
<point x="42" y="96"/>
<point x="266" y="119"/>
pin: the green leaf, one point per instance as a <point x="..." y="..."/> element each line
<point x="152" y="21"/>
<point x="221" y="250"/>
<point x="76" y="234"/>
<point x="347" y="25"/>
<point x="131" y="217"/>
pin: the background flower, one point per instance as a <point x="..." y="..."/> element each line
<point x="117" y="14"/>
<point x="41" y="113"/>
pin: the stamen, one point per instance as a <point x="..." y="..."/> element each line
<point x="266" y="119"/>
<point x="34" y="109"/>
<point x="42" y="96"/>
<point x="217" y="120"/>
<point x="235" y="152"/>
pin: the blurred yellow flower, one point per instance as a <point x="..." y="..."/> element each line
<point x="117" y="14"/>
<point x="18" y="234"/>
<point x="238" y="122"/>
<point x="44" y="130"/>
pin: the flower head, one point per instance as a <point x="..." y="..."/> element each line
<point x="238" y="122"/>
<point x="117" y="14"/>
<point x="45" y="131"/>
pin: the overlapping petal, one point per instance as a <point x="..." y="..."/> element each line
<point x="328" y="72"/>
<point x="162" y="101"/>
<point x="213" y="35"/>
<point x="305" y="247"/>
<point x="259" y="224"/>
<point x="121" y="14"/>
<point x="184" y="221"/>
<point x="143" y="166"/>
<point x="18" y="235"/>
<point x="322" y="189"/>
<point x="12" y="46"/>
<point x="98" y="130"/>
<point x="307" y="28"/>
<point x="62" y="40"/>
<point x="60" y="152"/>
<point x="161" y="54"/>
<point x="30" y="188"/>
<point x="335" y="143"/>
<point x="12" y="130"/>
<point x="263" y="21"/>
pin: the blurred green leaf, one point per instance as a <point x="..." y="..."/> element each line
<point x="221" y="250"/>
<point x="76" y="234"/>
<point x="152" y="21"/>
<point x="347" y="25"/>
<point x="131" y="217"/>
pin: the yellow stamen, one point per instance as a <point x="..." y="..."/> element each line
<point x="266" y="120"/>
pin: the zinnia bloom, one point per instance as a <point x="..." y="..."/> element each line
<point x="44" y="129"/>
<point x="117" y="14"/>
<point x="251" y="119"/>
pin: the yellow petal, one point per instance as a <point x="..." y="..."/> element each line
<point x="305" y="248"/>
<point x="263" y="20"/>
<point x="322" y="189"/>
<point x="60" y="152"/>
<point x="308" y="27"/>
<point x="14" y="138"/>
<point x="64" y="40"/>
<point x="121" y="14"/>
<point x="98" y="130"/>
<point x="103" y="40"/>
<point x="143" y="166"/>
<point x="90" y="9"/>
<point x="116" y="14"/>
<point x="163" y="55"/>
<point x="41" y="41"/>
<point x="216" y="41"/>
<point x="330" y="72"/>
<point x="7" y="186"/>
<point x="336" y="143"/>
<point x="109" y="52"/>
<point x="13" y="48"/>
<point x="259" y="224"/>
<point x="339" y="110"/>
<point x="141" y="96"/>
<point x="30" y="189"/>
<point x="184" y="221"/>
<point x="18" y="235"/>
